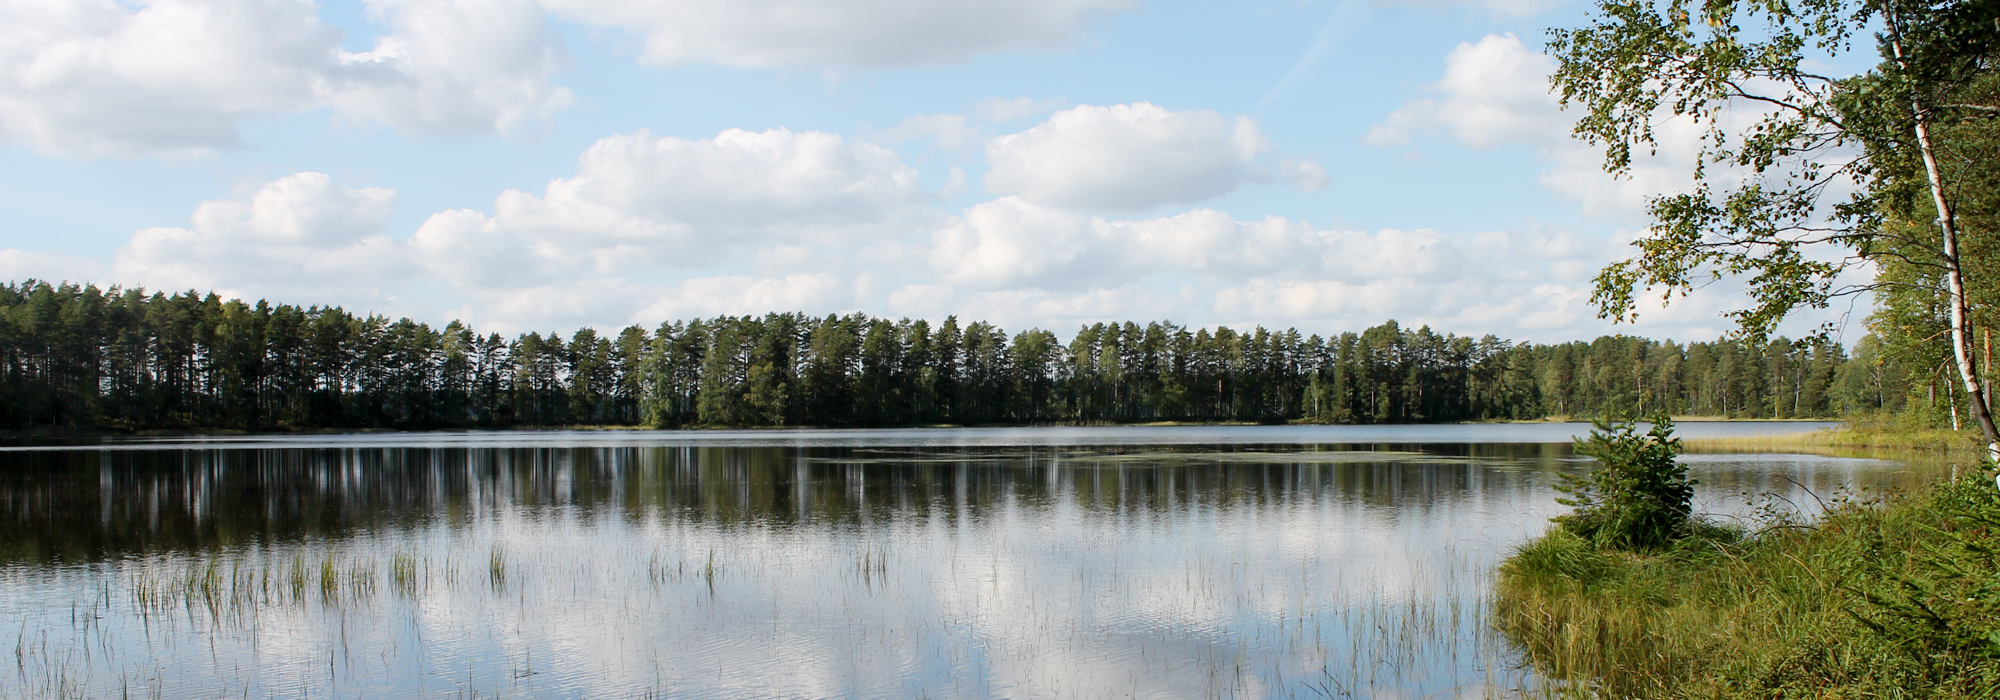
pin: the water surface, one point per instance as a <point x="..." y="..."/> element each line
<point x="1175" y="562"/>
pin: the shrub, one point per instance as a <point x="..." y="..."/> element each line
<point x="1640" y="498"/>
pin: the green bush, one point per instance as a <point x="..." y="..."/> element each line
<point x="1640" y="498"/>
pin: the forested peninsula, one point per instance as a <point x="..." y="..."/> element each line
<point x="79" y="357"/>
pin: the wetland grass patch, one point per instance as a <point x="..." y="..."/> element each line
<point x="1892" y="598"/>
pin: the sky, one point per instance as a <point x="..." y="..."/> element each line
<point x="524" y="165"/>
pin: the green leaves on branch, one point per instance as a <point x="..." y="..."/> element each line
<point x="1749" y="235"/>
<point x="1814" y="163"/>
<point x="1638" y="57"/>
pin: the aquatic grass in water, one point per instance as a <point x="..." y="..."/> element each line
<point x="226" y="586"/>
<point x="496" y="567"/>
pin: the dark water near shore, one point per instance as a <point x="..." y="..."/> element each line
<point x="1063" y="562"/>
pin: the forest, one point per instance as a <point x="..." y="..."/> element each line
<point x="80" y="358"/>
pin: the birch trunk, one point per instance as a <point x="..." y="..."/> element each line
<point x="1961" y="316"/>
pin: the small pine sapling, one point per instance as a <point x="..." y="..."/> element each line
<point x="1640" y="498"/>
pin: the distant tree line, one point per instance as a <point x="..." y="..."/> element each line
<point x="81" y="357"/>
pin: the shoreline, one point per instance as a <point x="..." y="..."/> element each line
<point x="238" y="432"/>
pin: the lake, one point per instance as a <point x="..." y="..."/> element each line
<point x="1155" y="562"/>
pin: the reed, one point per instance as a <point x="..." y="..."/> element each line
<point x="406" y="574"/>
<point x="496" y="567"/>
<point x="230" y="586"/>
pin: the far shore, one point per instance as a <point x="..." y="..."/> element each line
<point x="281" y="430"/>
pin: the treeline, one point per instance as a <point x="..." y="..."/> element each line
<point x="80" y="357"/>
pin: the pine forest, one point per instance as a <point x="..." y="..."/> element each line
<point x="77" y="357"/>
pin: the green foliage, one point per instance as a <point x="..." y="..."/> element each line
<point x="1641" y="60"/>
<point x="1639" y="499"/>
<point x="1797" y="208"/>
<point x="1911" y="314"/>
<point x="1802" y="178"/>
<point x="78" y="357"/>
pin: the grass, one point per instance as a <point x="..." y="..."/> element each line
<point x="1896" y="597"/>
<point x="1868" y="434"/>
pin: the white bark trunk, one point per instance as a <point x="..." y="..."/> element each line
<point x="1961" y="316"/>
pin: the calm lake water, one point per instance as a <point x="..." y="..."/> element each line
<point x="1196" y="562"/>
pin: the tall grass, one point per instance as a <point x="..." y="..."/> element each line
<point x="1870" y="434"/>
<point x="1893" y="598"/>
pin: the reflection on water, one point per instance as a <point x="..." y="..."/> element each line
<point x="1044" y="436"/>
<point x="875" y="570"/>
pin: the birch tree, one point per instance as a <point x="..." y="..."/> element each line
<point x="1798" y="169"/>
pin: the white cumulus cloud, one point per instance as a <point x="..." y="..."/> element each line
<point x="88" y="78"/>
<point x="1013" y="259"/>
<point x="803" y="209"/>
<point x="302" y="237"/>
<point x="810" y="211"/>
<point x="455" y="66"/>
<point x="1496" y="92"/>
<point x="1135" y="156"/>
<point x="748" y="295"/>
<point x="1515" y="283"/>
<point x="864" y="33"/>
<point x="1493" y="92"/>
<point x="651" y="228"/>
<point x="1062" y="312"/>
<point x="640" y="201"/>
<point x="1011" y="242"/>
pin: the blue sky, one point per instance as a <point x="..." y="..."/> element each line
<point x="548" y="165"/>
